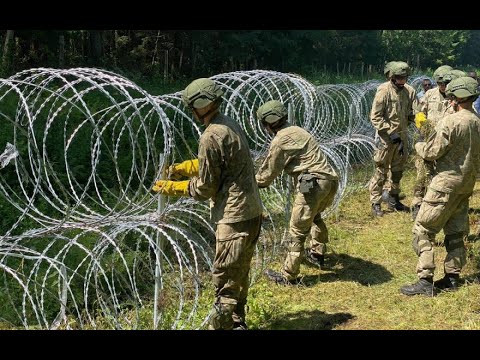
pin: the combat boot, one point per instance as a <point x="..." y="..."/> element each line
<point x="377" y="210"/>
<point x="315" y="259"/>
<point x="221" y="317"/>
<point x="450" y="282"/>
<point x="278" y="278"/>
<point x="415" y="210"/>
<point x="395" y="204"/>
<point x="385" y="196"/>
<point x="421" y="287"/>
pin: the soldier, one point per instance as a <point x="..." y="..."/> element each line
<point x="223" y="173"/>
<point x="455" y="148"/>
<point x="433" y="106"/>
<point x="296" y="152"/>
<point x="476" y="104"/>
<point x="391" y="110"/>
<point x="426" y="85"/>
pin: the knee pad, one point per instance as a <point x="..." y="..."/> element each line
<point x="421" y="243"/>
<point x="454" y="241"/>
<point x="295" y="247"/>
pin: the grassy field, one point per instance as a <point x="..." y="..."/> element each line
<point x="369" y="259"/>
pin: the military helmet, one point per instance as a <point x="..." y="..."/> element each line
<point x="440" y="71"/>
<point x="452" y="75"/>
<point x="386" y="69"/>
<point x="463" y="87"/>
<point x="271" y="112"/>
<point x="200" y="93"/>
<point x="399" y="68"/>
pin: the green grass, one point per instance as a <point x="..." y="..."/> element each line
<point x="369" y="260"/>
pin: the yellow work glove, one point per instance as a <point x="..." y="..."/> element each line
<point x="187" y="168"/>
<point x="169" y="188"/>
<point x="420" y="119"/>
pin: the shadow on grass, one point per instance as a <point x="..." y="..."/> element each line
<point x="473" y="237"/>
<point x="471" y="279"/>
<point x="474" y="211"/>
<point x="308" y="320"/>
<point x="343" y="267"/>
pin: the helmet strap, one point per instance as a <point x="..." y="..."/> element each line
<point x="465" y="103"/>
<point x="278" y="124"/>
<point x="214" y="108"/>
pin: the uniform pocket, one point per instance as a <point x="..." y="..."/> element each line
<point x="230" y="247"/>
<point x="432" y="210"/>
<point x="436" y="197"/>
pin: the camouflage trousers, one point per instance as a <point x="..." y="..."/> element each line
<point x="234" y="250"/>
<point x="424" y="176"/>
<point x="387" y="158"/>
<point x="447" y="211"/>
<point x="307" y="219"/>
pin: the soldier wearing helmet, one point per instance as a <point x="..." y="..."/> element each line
<point x="455" y="150"/>
<point x="392" y="109"/>
<point x="433" y="107"/>
<point x="297" y="153"/>
<point x="225" y="174"/>
<point x="476" y="103"/>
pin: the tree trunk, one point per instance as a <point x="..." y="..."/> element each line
<point x="115" y="47"/>
<point x="165" y="68"/>
<point x="155" y="50"/>
<point x="96" y="45"/>
<point x="83" y="44"/>
<point x="61" y="50"/>
<point x="7" y="46"/>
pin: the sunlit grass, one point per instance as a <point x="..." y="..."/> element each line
<point x="370" y="259"/>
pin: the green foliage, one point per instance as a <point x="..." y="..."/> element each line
<point x="166" y="56"/>
<point x="425" y="48"/>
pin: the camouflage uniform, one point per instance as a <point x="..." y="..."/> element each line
<point x="227" y="178"/>
<point x="391" y="111"/>
<point x="455" y="148"/>
<point x="296" y="152"/>
<point x="435" y="105"/>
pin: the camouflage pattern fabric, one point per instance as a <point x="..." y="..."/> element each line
<point x="226" y="173"/>
<point x="392" y="109"/>
<point x="455" y="148"/>
<point x="296" y="152"/>
<point x="435" y="106"/>
<point x="307" y="219"/>
<point x="447" y="211"/>
<point x="234" y="250"/>
<point x="227" y="177"/>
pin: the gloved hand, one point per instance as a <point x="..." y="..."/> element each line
<point x="187" y="168"/>
<point x="420" y="119"/>
<point x="169" y="188"/>
<point x="395" y="138"/>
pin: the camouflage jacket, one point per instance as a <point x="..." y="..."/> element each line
<point x="455" y="148"/>
<point x="295" y="151"/>
<point x="435" y="105"/>
<point x="392" y="109"/>
<point x="226" y="173"/>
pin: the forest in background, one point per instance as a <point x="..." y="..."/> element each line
<point x="172" y="55"/>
